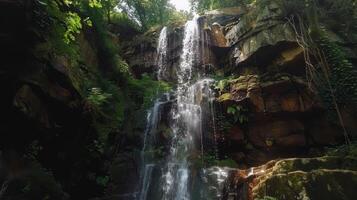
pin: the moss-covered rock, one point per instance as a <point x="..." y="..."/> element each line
<point x="327" y="177"/>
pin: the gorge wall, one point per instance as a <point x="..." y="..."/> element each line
<point x="63" y="105"/>
<point x="74" y="115"/>
<point x="266" y="108"/>
<point x="254" y="54"/>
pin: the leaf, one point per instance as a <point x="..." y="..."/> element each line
<point x="102" y="180"/>
<point x="95" y="4"/>
<point x="231" y="110"/>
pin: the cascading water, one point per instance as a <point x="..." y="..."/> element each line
<point x="153" y="117"/>
<point x="186" y="118"/>
<point x="175" y="179"/>
<point x="162" y="53"/>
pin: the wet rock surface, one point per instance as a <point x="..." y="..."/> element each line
<point x="257" y="47"/>
<point x="330" y="177"/>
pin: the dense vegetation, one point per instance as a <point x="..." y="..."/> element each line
<point x="204" y="5"/>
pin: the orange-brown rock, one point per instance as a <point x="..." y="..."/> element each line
<point x="217" y="36"/>
<point x="268" y="133"/>
<point x="236" y="134"/>
<point x="284" y="94"/>
<point x="285" y="117"/>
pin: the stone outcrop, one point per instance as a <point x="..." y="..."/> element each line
<point x="332" y="176"/>
<point x="284" y="115"/>
<point x="257" y="47"/>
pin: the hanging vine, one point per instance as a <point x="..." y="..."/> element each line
<point x="328" y="71"/>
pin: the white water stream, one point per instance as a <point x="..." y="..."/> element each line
<point x="175" y="181"/>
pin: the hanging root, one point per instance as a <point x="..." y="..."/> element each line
<point x="313" y="76"/>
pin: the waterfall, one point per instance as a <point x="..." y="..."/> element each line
<point x="153" y="118"/>
<point x="173" y="177"/>
<point x="185" y="119"/>
<point x="186" y="123"/>
<point x="161" y="51"/>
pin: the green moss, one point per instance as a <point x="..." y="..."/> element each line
<point x="146" y="90"/>
<point x="209" y="159"/>
<point x="225" y="97"/>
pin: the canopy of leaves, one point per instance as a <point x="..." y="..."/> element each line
<point x="150" y="13"/>
<point x="204" y="5"/>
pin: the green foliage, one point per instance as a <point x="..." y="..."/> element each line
<point x="340" y="85"/>
<point x="102" y="180"/>
<point x="66" y="24"/>
<point x="58" y="29"/>
<point x="239" y="113"/>
<point x="343" y="151"/>
<point x="74" y="26"/>
<point x="334" y="76"/>
<point x="95" y="4"/>
<point x="151" y="13"/>
<point x="123" y="21"/>
<point x="145" y="90"/>
<point x="221" y="85"/>
<point x="210" y="159"/>
<point x="340" y="16"/>
<point x="98" y="97"/>
<point x="204" y="5"/>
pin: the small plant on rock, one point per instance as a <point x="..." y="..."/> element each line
<point x="239" y="113"/>
<point x="98" y="97"/>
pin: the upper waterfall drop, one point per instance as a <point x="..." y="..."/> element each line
<point x="161" y="51"/>
<point x="189" y="51"/>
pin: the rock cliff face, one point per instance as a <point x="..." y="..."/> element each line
<point x="265" y="107"/>
<point x="52" y="136"/>
<point x="284" y="115"/>
<point x="257" y="48"/>
<point x="141" y="54"/>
